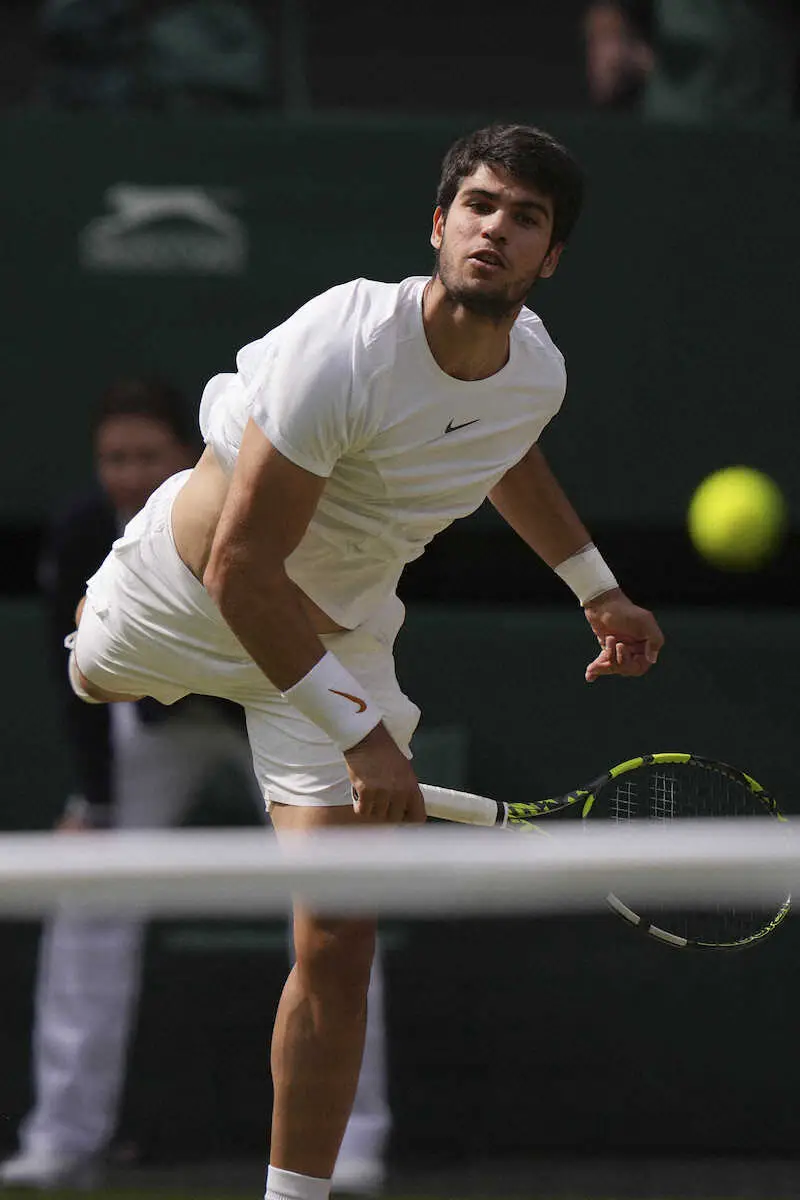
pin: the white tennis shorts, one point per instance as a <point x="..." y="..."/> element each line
<point x="149" y="628"/>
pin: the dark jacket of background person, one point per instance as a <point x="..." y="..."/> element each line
<point x="75" y="545"/>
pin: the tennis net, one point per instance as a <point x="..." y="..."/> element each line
<point x="438" y="869"/>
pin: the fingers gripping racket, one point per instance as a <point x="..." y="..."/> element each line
<point x="655" y="787"/>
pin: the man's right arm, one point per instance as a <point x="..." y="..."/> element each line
<point x="267" y="510"/>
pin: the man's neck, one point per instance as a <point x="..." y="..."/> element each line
<point x="465" y="345"/>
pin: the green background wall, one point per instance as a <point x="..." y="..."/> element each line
<point x="676" y="306"/>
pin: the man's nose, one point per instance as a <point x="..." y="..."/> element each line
<point x="494" y="227"/>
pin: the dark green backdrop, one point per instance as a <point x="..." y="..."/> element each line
<point x="676" y="306"/>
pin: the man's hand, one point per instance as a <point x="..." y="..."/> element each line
<point x="385" y="788"/>
<point x="629" y="636"/>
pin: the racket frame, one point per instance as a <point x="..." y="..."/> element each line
<point x="524" y="815"/>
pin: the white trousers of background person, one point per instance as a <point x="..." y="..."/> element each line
<point x="89" y="970"/>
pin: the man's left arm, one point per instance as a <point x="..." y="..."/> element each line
<point x="531" y="500"/>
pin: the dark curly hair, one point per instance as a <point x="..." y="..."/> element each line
<point x="527" y="154"/>
<point x="148" y="397"/>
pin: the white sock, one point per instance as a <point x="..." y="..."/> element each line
<point x="286" y="1185"/>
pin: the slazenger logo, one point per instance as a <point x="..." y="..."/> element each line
<point x="172" y="230"/>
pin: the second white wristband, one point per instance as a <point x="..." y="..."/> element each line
<point x="335" y="701"/>
<point x="587" y="574"/>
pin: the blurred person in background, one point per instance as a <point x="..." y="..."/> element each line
<point x="695" y="61"/>
<point x="137" y="765"/>
<point x="87" y="54"/>
<point x="206" y="56"/>
<point x="619" y="52"/>
<point x="167" y="55"/>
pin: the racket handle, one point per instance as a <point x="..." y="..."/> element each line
<point x="464" y="807"/>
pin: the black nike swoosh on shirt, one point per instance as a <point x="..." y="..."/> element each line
<point x="451" y="428"/>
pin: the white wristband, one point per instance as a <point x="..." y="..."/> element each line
<point x="333" y="699"/>
<point x="587" y="573"/>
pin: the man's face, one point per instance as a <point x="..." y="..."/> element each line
<point x="494" y="242"/>
<point x="133" y="456"/>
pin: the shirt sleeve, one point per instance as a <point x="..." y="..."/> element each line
<point x="302" y="397"/>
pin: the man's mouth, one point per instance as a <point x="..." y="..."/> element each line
<point x="488" y="258"/>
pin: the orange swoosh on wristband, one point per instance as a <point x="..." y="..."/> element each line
<point x="362" y="704"/>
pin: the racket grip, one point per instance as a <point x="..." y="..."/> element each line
<point x="463" y="807"/>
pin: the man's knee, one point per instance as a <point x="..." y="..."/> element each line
<point x="87" y="691"/>
<point x="334" y="959"/>
<point x="83" y="687"/>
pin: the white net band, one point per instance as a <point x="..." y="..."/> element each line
<point x="435" y="870"/>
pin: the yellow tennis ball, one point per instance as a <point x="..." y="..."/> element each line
<point x="737" y="518"/>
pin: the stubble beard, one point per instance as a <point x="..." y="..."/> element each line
<point x="496" y="306"/>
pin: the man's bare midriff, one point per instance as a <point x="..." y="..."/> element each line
<point x="195" y="516"/>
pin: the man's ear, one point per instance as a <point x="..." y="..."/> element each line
<point x="437" y="232"/>
<point x="551" y="260"/>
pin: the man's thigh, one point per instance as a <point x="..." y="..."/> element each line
<point x="307" y="818"/>
<point x="323" y="939"/>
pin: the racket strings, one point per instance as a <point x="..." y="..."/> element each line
<point x="662" y="794"/>
<point x="624" y="801"/>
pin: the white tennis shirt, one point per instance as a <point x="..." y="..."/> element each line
<point x="348" y="389"/>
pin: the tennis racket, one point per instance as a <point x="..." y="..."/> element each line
<point x="654" y="787"/>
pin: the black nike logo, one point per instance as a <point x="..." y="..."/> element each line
<point x="451" y="428"/>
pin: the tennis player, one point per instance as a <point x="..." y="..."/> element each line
<point x="135" y="766"/>
<point x="347" y="438"/>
